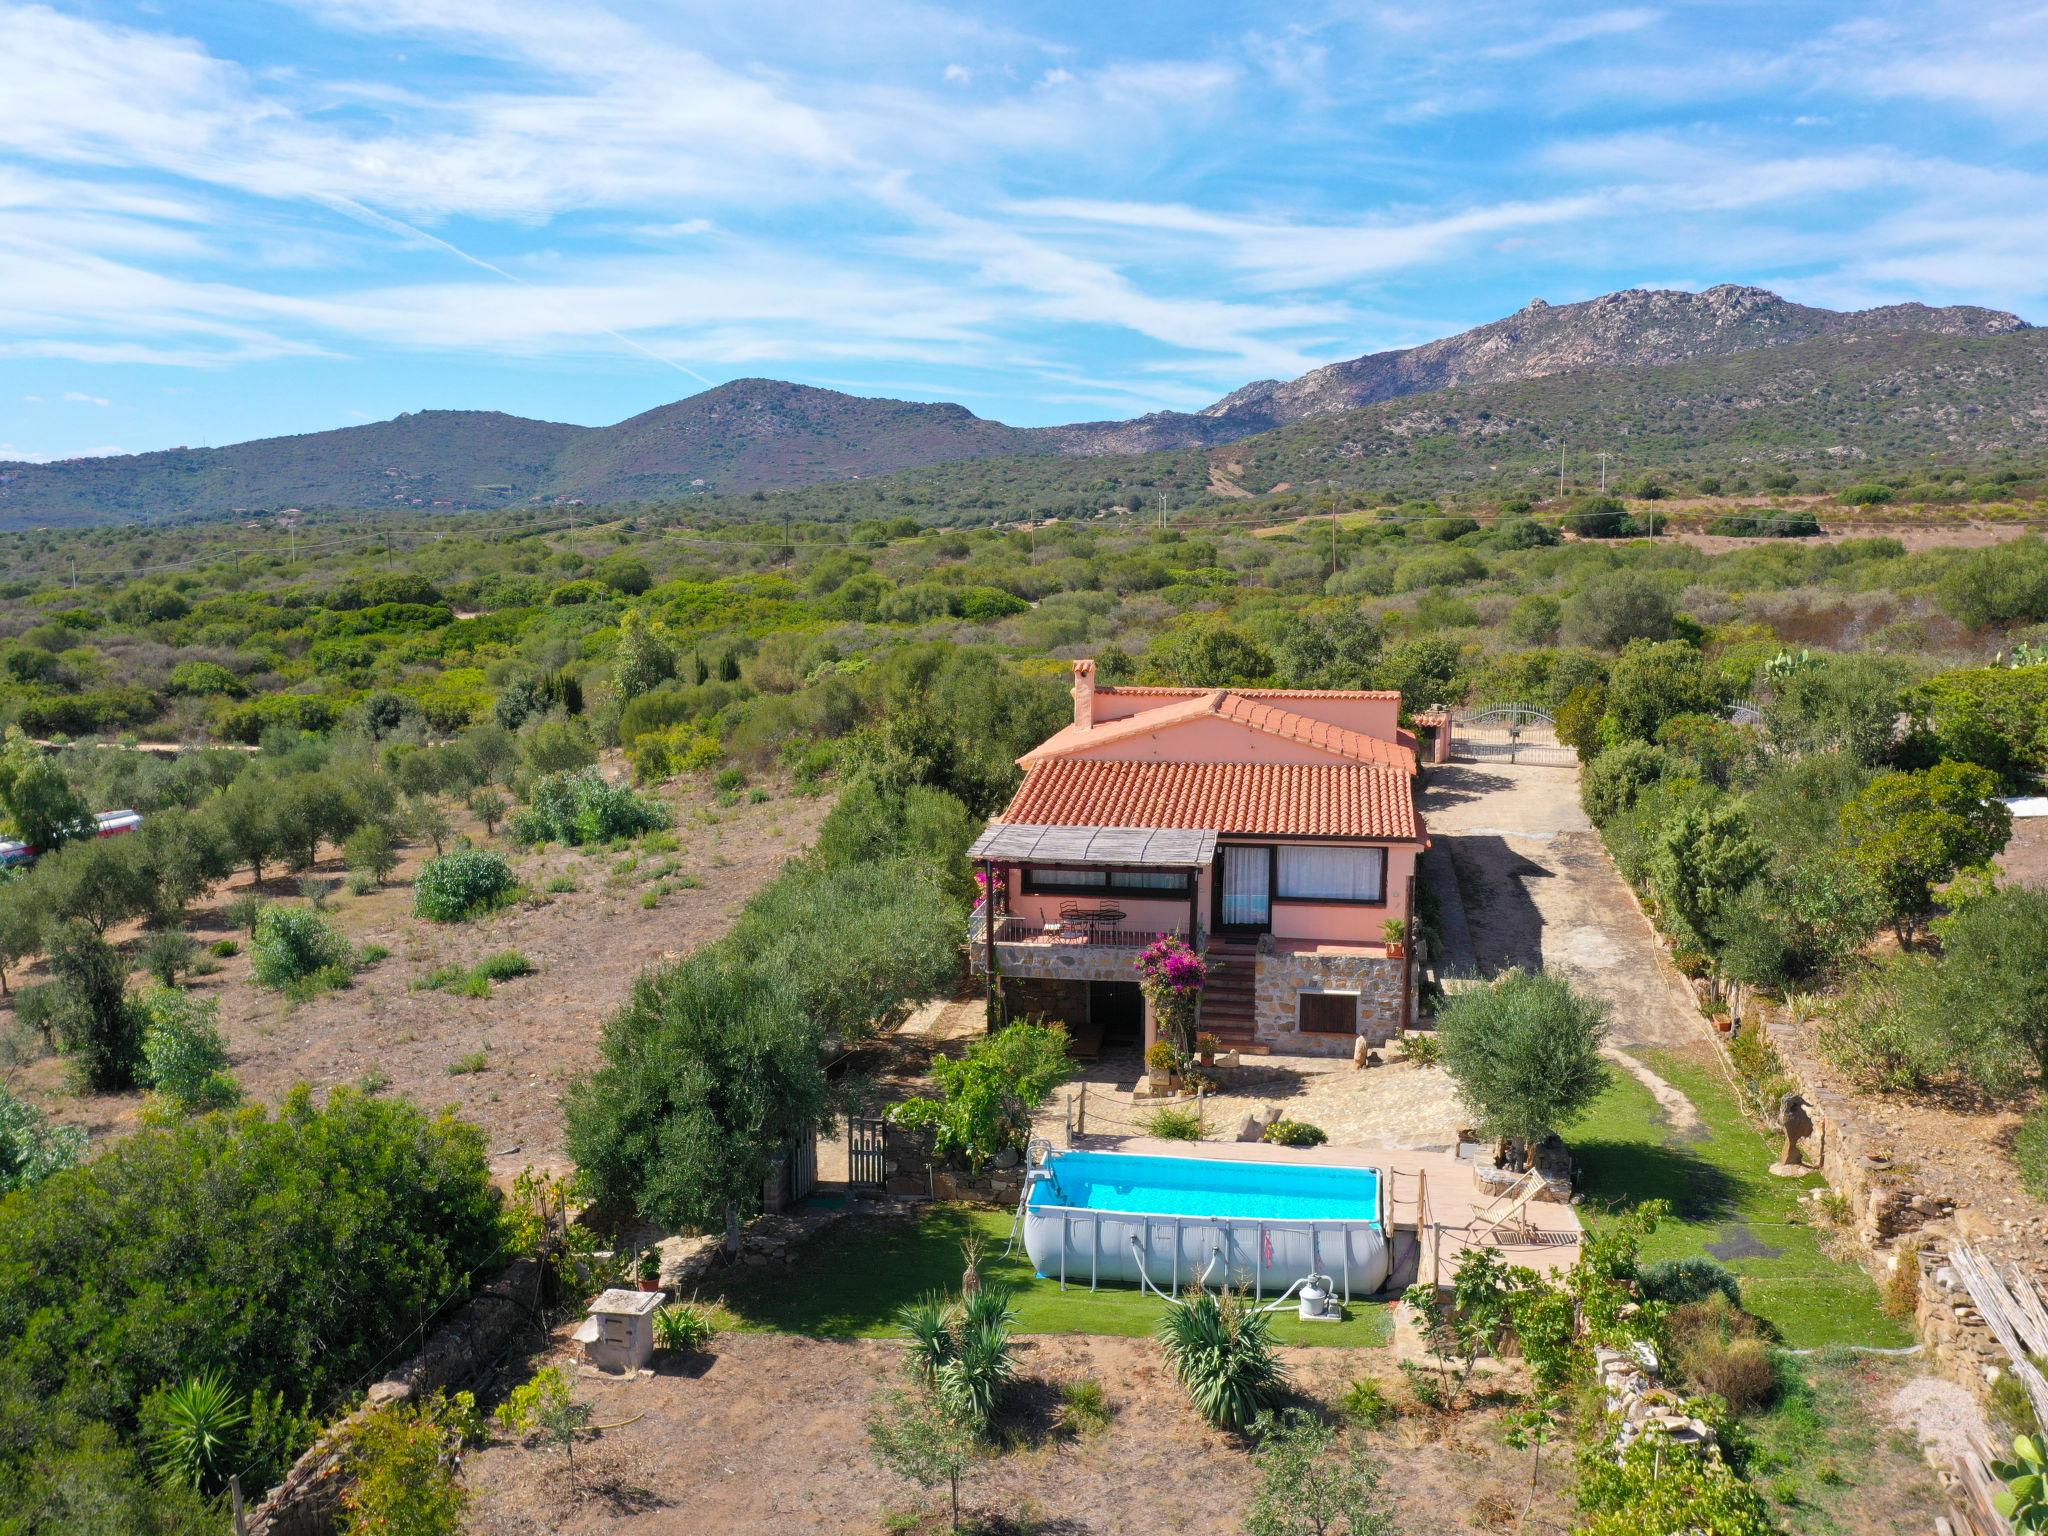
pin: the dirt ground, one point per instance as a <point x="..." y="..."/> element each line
<point x="537" y="1032"/>
<point x="765" y="1436"/>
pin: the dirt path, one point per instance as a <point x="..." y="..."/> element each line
<point x="1538" y="890"/>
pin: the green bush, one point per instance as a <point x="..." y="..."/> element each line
<point x="581" y="806"/>
<point x="987" y="1096"/>
<point x="184" y="1058"/>
<point x="504" y="966"/>
<point x="224" y="949"/>
<point x="1695" y="1278"/>
<point x="1171" y="1124"/>
<point x="1524" y="1052"/>
<point x="290" y="1254"/>
<point x="1367" y="1405"/>
<point x="1221" y="1352"/>
<point x="294" y="945"/>
<point x="459" y="885"/>
<point x="680" y="1328"/>
<point x="1295" y="1133"/>
<point x="31" y="1149"/>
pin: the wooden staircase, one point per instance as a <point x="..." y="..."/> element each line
<point x="1228" y="1010"/>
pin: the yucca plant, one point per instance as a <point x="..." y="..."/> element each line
<point x="192" y="1429"/>
<point x="963" y="1350"/>
<point x="1221" y="1349"/>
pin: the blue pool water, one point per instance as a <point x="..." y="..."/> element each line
<point x="1190" y="1186"/>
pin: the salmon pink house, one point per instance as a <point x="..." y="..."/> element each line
<point x="1273" y="829"/>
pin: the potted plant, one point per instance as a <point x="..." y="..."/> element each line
<point x="1205" y="1048"/>
<point x="1395" y="931"/>
<point x="1163" y="1061"/>
<point x="650" y="1270"/>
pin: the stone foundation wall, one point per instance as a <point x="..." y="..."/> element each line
<point x="1375" y="978"/>
<point x="1058" y="962"/>
<point x="1063" y="1001"/>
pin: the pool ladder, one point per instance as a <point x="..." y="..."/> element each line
<point x="1036" y="1151"/>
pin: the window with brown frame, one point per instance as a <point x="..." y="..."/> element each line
<point x="1329" y="1013"/>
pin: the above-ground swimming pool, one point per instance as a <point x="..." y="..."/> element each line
<point x="1123" y="1216"/>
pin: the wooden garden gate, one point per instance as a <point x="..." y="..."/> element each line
<point x="867" y="1169"/>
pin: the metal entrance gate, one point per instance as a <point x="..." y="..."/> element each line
<point x="1509" y="733"/>
<point x="867" y="1168"/>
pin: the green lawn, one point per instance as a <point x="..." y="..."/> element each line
<point x="852" y="1279"/>
<point x="1720" y="1186"/>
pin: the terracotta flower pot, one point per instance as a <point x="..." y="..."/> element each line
<point x="1398" y="950"/>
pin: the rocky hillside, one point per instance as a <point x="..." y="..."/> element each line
<point x="1637" y="328"/>
<point x="759" y="434"/>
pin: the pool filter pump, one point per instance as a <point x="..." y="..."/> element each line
<point x="1317" y="1304"/>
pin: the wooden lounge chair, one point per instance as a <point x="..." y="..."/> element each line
<point x="1510" y="1208"/>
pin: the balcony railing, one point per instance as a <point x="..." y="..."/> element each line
<point x="1032" y="931"/>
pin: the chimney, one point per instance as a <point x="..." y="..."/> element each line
<point x="1084" y="694"/>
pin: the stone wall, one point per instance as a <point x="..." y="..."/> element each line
<point x="1063" y="1000"/>
<point x="308" y="1500"/>
<point x="910" y="1169"/>
<point x="1376" y="979"/>
<point x="1059" y="962"/>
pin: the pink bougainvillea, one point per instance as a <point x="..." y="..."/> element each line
<point x="1169" y="965"/>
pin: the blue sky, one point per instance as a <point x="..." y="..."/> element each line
<point x="227" y="220"/>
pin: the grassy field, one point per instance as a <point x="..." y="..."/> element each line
<point x="1727" y="1203"/>
<point x="855" y="1276"/>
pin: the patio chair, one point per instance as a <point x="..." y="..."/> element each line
<point x="1090" y="917"/>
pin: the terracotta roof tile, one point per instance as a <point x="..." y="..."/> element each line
<point x="1361" y="800"/>
<point x="1246" y="707"/>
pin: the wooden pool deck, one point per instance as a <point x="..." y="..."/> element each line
<point x="1430" y="1197"/>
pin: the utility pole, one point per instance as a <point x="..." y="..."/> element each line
<point x="1603" y="471"/>
<point x="1560" y="471"/>
<point x="1333" y="541"/>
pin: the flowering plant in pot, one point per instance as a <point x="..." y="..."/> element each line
<point x="1205" y="1048"/>
<point x="1395" y="932"/>
<point x="1172" y="976"/>
<point x="1163" y="1061"/>
<point x="650" y="1270"/>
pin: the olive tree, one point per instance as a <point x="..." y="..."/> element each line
<point x="711" y="1069"/>
<point x="1524" y="1052"/>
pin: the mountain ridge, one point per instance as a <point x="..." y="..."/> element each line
<point x="760" y="434"/>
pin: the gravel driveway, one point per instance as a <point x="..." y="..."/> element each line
<point x="1538" y="890"/>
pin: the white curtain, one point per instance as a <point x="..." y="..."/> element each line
<point x="1333" y="874"/>
<point x="1150" y="880"/>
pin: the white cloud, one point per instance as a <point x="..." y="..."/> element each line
<point x="958" y="74"/>
<point x="1581" y="29"/>
<point x="79" y="397"/>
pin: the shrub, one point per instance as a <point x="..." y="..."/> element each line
<point x="1865" y="495"/>
<point x="184" y="1057"/>
<point x="1295" y="1133"/>
<point x="1367" y="1405"/>
<point x="293" y="945"/>
<point x="1172" y="1124"/>
<point x="1312" y="1481"/>
<point x="31" y="1149"/>
<point x="304" y="1247"/>
<point x="680" y="1328"/>
<point x="504" y="966"/>
<point x="1679" y="1281"/>
<point x="166" y="954"/>
<point x="243" y="910"/>
<point x="581" y="806"/>
<point x="459" y="885"/>
<point x="987" y="1097"/>
<point x="1221" y="1352"/>
<point x="1423" y="1048"/>
<point x="1717" y="1349"/>
<point x="402" y="1472"/>
<point x="101" y="1027"/>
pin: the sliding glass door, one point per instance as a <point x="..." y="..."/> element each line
<point x="1245" y="902"/>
